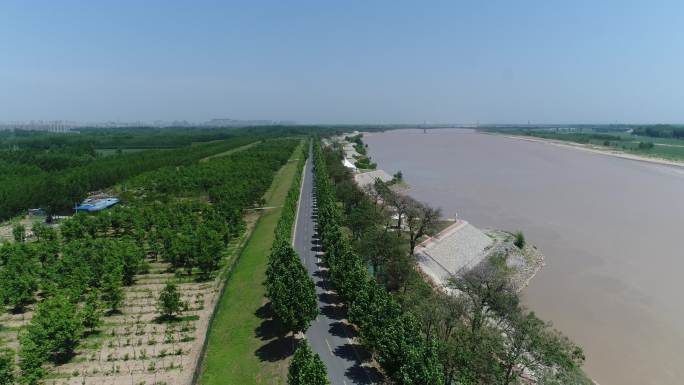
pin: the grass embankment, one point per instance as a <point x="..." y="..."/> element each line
<point x="231" y="356"/>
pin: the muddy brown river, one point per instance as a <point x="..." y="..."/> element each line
<point x="612" y="231"/>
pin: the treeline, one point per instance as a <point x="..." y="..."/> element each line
<point x="77" y="273"/>
<point x="417" y="334"/>
<point x="128" y="137"/>
<point x="139" y="137"/>
<point x="59" y="190"/>
<point x="406" y="356"/>
<point x="576" y="137"/>
<point x="49" y="160"/>
<point x="660" y="131"/>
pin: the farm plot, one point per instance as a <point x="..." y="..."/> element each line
<point x="134" y="347"/>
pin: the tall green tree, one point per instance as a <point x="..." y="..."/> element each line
<point x="18" y="276"/>
<point x="7" y="367"/>
<point x="92" y="313"/>
<point x="19" y="233"/>
<point x="53" y="334"/>
<point x="290" y="289"/>
<point x="170" y="304"/>
<point x="43" y="232"/>
<point x="306" y="368"/>
<point x="208" y="251"/>
<point x="112" y="292"/>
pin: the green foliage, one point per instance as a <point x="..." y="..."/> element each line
<point x="645" y="145"/>
<point x="19" y="233"/>
<point x="53" y="334"/>
<point x="18" y="275"/>
<point x="288" y="286"/>
<point x="398" y="176"/>
<point x="405" y="355"/>
<point x="112" y="291"/>
<point x="417" y="335"/>
<point x="43" y="232"/>
<point x="91" y="313"/>
<point x="290" y="289"/>
<point x="519" y="239"/>
<point x="58" y="190"/>
<point x="306" y="368"/>
<point x="660" y="131"/>
<point x="365" y="163"/>
<point x="185" y="215"/>
<point x="7" y="367"/>
<point x="170" y="304"/>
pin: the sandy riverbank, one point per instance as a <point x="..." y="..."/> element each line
<point x="595" y="149"/>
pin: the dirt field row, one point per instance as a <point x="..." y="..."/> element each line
<point x="134" y="347"/>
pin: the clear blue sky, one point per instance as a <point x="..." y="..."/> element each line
<point x="343" y="61"/>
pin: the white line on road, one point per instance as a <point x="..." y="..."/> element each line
<point x="299" y="203"/>
<point x="329" y="348"/>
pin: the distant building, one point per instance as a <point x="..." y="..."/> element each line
<point x="93" y="205"/>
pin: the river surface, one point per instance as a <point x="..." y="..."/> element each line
<point x="611" y="230"/>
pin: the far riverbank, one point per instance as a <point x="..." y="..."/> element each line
<point x="594" y="149"/>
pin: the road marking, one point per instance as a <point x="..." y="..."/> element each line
<point x="329" y="348"/>
<point x="299" y="202"/>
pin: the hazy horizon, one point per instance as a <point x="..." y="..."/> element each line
<point x="343" y="63"/>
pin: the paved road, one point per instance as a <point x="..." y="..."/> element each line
<point x="328" y="335"/>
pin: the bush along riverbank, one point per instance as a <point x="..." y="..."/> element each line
<point x="419" y="335"/>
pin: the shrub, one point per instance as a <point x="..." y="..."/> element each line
<point x="170" y="304"/>
<point x="519" y="239"/>
<point x="6" y="367"/>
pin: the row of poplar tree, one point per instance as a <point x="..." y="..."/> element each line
<point x="291" y="291"/>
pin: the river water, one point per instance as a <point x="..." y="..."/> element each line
<point x="611" y="230"/>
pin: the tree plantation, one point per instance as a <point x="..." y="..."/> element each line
<point x="125" y="295"/>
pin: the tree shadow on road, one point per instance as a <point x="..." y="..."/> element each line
<point x="341" y="329"/>
<point x="358" y="373"/>
<point x="324" y="284"/>
<point x="334" y="312"/>
<point x="330" y="298"/>
<point x="364" y="375"/>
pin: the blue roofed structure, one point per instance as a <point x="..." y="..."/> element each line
<point x="92" y="205"/>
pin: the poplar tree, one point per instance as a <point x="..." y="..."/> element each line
<point x="306" y="368"/>
<point x="290" y="289"/>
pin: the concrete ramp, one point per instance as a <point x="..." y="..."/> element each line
<point x="460" y="246"/>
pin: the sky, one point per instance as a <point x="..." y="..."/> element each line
<point x="353" y="62"/>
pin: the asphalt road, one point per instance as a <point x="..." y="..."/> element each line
<point x="329" y="335"/>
